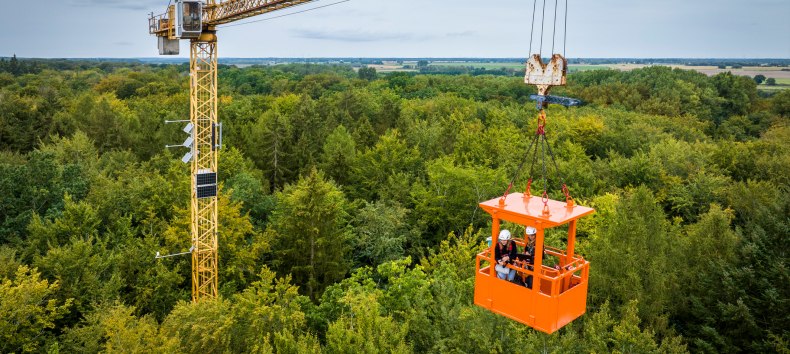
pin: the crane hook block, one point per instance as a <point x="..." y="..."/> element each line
<point x="544" y="76"/>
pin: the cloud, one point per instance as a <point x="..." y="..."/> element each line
<point x="123" y="43"/>
<point x="359" y="36"/>
<point x="461" y="34"/>
<point x="121" y="4"/>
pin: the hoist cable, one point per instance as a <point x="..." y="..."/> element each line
<point x="521" y="165"/>
<point x="565" y="33"/>
<point x="532" y="28"/>
<point x="554" y="31"/>
<point x="556" y="168"/>
<point x="542" y="27"/>
<point x="543" y="157"/>
<point x="538" y="133"/>
<point x="534" y="159"/>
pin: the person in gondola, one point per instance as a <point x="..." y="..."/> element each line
<point x="504" y="254"/>
<point x="528" y="257"/>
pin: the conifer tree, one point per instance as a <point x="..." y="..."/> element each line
<point x="310" y="236"/>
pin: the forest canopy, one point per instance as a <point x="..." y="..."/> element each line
<point x="690" y="176"/>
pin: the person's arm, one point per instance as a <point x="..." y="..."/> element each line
<point x="513" y="251"/>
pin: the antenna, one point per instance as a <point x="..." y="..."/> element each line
<point x="158" y="256"/>
<point x="188" y="142"/>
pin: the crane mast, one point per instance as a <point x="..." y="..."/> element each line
<point x="197" y="21"/>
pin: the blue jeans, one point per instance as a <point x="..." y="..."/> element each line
<point x="508" y="273"/>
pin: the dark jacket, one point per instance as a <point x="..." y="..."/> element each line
<point x="529" y="251"/>
<point x="508" y="250"/>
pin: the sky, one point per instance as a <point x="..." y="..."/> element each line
<point x="417" y="28"/>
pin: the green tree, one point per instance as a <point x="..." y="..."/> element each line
<point x="310" y="239"/>
<point x="203" y="327"/>
<point x="770" y="81"/>
<point x="738" y="94"/>
<point x="386" y="170"/>
<point x="691" y="199"/>
<point x="449" y="200"/>
<point x="381" y="232"/>
<point x="107" y="120"/>
<point x="367" y="73"/>
<point x="339" y="155"/>
<point x="246" y="185"/>
<point x="270" y="311"/>
<point x="634" y="253"/>
<point x="79" y="219"/>
<point x="273" y="141"/>
<point x="710" y="251"/>
<point x="747" y="301"/>
<point x="781" y="103"/>
<point x="86" y="271"/>
<point x="14" y="67"/>
<point x="115" y="329"/>
<point x="364" y="330"/>
<point x="759" y="78"/>
<point x="28" y="311"/>
<point x="25" y="119"/>
<point x="602" y="333"/>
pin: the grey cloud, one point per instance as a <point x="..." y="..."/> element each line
<point x="123" y="43"/>
<point x="123" y="4"/>
<point x="461" y="34"/>
<point x="358" y="36"/>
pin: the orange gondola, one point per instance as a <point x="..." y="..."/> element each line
<point x="558" y="295"/>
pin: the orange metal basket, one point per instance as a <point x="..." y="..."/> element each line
<point x="558" y="295"/>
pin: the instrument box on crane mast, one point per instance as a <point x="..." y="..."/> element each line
<point x="168" y="46"/>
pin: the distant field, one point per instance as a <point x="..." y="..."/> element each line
<point x="781" y="84"/>
<point x="388" y="68"/>
<point x="487" y="66"/>
<point x="782" y="77"/>
<point x="514" y="65"/>
<point x="576" y="68"/>
<point x="775" y="72"/>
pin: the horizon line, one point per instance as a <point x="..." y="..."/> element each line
<point x="399" y="58"/>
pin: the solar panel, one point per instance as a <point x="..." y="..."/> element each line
<point x="207" y="191"/>
<point x="206" y="178"/>
<point x="206" y="184"/>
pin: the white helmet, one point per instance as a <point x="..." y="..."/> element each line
<point x="504" y="235"/>
<point x="529" y="230"/>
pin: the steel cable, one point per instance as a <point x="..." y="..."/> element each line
<point x="565" y="33"/>
<point x="543" y="157"/>
<point x="523" y="161"/>
<point x="554" y="31"/>
<point x="542" y="27"/>
<point x="532" y="28"/>
<point x="554" y="161"/>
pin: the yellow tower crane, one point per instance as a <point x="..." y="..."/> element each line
<point x="197" y="21"/>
